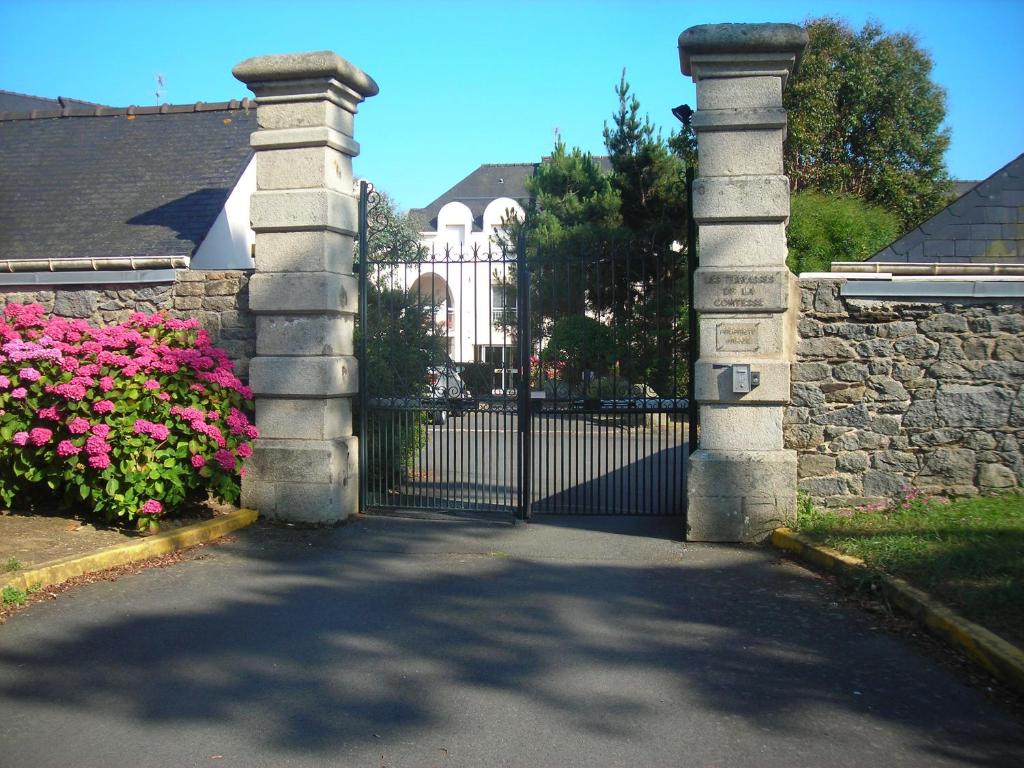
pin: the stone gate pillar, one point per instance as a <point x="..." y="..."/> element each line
<point x="304" y="213"/>
<point x="741" y="480"/>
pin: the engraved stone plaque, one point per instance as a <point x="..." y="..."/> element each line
<point x="737" y="337"/>
<point x="735" y="290"/>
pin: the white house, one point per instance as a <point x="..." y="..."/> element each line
<point x="467" y="272"/>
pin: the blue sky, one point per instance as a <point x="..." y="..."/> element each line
<point x="464" y="83"/>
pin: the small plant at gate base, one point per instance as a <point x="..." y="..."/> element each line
<point x="13" y="596"/>
<point x="12" y="564"/>
<point x="128" y="420"/>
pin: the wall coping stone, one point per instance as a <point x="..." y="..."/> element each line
<point x="739" y="39"/>
<point x="301" y="66"/>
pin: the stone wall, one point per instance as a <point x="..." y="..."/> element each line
<point x="888" y="394"/>
<point x="219" y="299"/>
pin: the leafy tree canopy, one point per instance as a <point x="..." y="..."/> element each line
<point x="865" y="119"/>
<point x="826" y="228"/>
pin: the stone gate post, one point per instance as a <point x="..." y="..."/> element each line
<point x="304" y="213"/>
<point x="741" y="482"/>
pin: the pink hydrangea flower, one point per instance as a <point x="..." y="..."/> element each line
<point x="152" y="384"/>
<point x="19" y="393"/>
<point x="29" y="374"/>
<point x="4" y="382"/>
<point x="103" y="406"/>
<point x="99" y="461"/>
<point x="50" y="413"/>
<point x="40" y="435"/>
<point x="66" y="448"/>
<point x="101" y="430"/>
<point x="96" y="445"/>
<point x="198" y="461"/>
<point x="106" y="383"/>
<point x="152" y="508"/>
<point x="20" y="438"/>
<point x="78" y="426"/>
<point x="244" y="450"/>
<point x="225" y="458"/>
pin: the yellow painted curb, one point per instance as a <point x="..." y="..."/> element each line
<point x="57" y="571"/>
<point x="1001" y="658"/>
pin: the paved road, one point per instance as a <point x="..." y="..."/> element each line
<point x="581" y="464"/>
<point x="400" y="643"/>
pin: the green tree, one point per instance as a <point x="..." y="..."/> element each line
<point x="865" y="119"/>
<point x="826" y="228"/>
<point x="402" y="342"/>
<point x="607" y="244"/>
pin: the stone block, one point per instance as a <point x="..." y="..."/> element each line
<point x="303" y="502"/>
<point x="714" y="384"/>
<point x="305" y="335"/>
<point x="916" y="347"/>
<point x="303" y="168"/>
<point x="742" y="335"/>
<point x="304" y="114"/>
<point x="950" y="466"/>
<point x="743" y="428"/>
<point x="303" y="293"/>
<point x="741" y="290"/>
<point x="844" y="393"/>
<point x="740" y="198"/>
<point x="804" y="436"/>
<point x="824" y="487"/>
<point x="852" y="416"/>
<point x="314" y="461"/>
<point x="815" y="465"/>
<point x="884" y="484"/>
<point x="78" y="304"/>
<point x="304" y="209"/>
<point x="740" y="152"/>
<point x="298" y="377"/>
<point x="314" y="251"/>
<point x="743" y="244"/>
<point x="825" y="348"/>
<point x="739" y="93"/>
<point x="296" y="419"/>
<point x="963" y="405"/>
<point x="810" y="371"/>
<point x="852" y="461"/>
<point x="740" y="495"/>
<point x="857" y="440"/>
<point x="996" y="476"/>
<point x="896" y="462"/>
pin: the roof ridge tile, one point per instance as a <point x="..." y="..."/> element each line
<point x="102" y="111"/>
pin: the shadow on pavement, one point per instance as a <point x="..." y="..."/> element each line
<point x="324" y="641"/>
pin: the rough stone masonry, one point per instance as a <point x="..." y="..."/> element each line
<point x="304" y="213"/>
<point x="890" y="395"/>
<point x="741" y="480"/>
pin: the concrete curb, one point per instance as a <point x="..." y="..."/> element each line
<point x="1000" y="658"/>
<point x="57" y="571"/>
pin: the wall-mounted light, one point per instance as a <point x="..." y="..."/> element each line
<point x="683" y="113"/>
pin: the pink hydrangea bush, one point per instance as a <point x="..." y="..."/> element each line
<point x="129" y="420"/>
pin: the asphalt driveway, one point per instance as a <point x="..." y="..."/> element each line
<point x="590" y="642"/>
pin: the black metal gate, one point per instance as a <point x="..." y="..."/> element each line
<point x="496" y="380"/>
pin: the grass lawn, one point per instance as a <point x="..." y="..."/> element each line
<point x="968" y="553"/>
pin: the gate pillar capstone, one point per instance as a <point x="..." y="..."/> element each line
<point x="741" y="482"/>
<point x="305" y="463"/>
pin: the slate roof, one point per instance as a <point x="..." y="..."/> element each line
<point x="985" y="225"/>
<point x="488" y="182"/>
<point x="102" y="182"/>
<point x="22" y="102"/>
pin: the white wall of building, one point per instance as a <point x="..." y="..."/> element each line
<point x="475" y="285"/>
<point x="228" y="244"/>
